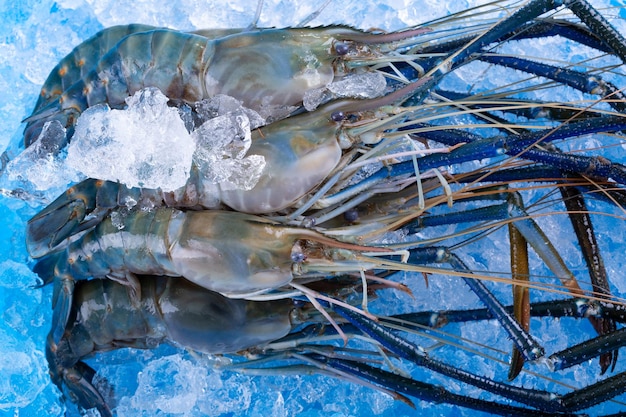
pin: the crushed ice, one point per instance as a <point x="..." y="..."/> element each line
<point x="361" y="85"/>
<point x="148" y="144"/>
<point x="222" y="143"/>
<point x="145" y="145"/>
<point x="41" y="163"/>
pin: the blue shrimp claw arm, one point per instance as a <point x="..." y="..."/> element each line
<point x="425" y="391"/>
<point x="580" y="81"/>
<point x="589" y="349"/>
<point x="407" y="350"/>
<point x="583" y="227"/>
<point x="571" y="307"/>
<point x="596" y="393"/>
<point x="602" y="191"/>
<point x="477" y="148"/>
<point x="534" y="29"/>
<point x="528" y="346"/>
<point x="576" y="308"/>
<point x="585" y="12"/>
<point x="599" y="25"/>
<point x="518" y="144"/>
<point x="529" y="229"/>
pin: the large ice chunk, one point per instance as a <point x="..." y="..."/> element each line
<point x="40" y="167"/>
<point x="361" y="85"/>
<point x="221" y="147"/>
<point x="146" y="145"/>
<point x="221" y="105"/>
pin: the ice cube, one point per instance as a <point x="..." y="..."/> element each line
<point x="313" y="98"/>
<point x="188" y="385"/>
<point x="361" y="85"/>
<point x="225" y="137"/>
<point x="222" y="144"/>
<point x="41" y="166"/>
<point x="221" y="105"/>
<point x="145" y="145"/>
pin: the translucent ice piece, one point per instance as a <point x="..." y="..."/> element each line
<point x="313" y="98"/>
<point x="240" y="174"/>
<point x="24" y="376"/>
<point x="41" y="167"/>
<point x="218" y="105"/>
<point x="272" y="112"/>
<point x="226" y="136"/>
<point x="222" y="144"/>
<point x="183" y="393"/>
<point x="145" y="145"/>
<point x="363" y="85"/>
<point x="221" y="105"/>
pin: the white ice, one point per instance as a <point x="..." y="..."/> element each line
<point x="222" y="144"/>
<point x="147" y="144"/>
<point x="361" y="85"/>
<point x="42" y="167"/>
<point x="144" y="145"/>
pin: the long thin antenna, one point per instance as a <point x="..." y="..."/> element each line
<point x="313" y="15"/>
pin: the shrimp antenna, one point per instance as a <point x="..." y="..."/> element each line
<point x="313" y="15"/>
<point x="257" y="16"/>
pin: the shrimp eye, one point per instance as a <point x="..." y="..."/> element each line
<point x="342" y="48"/>
<point x="337" y="116"/>
<point x="351" y="215"/>
<point x="298" y="257"/>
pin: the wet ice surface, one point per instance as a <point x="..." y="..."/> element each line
<point x="147" y="144"/>
<point x="144" y="145"/>
<point x="222" y="144"/>
<point x="360" y="85"/>
<point x="167" y="382"/>
<point x="42" y="166"/>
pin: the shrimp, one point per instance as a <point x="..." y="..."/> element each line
<point x="81" y="61"/>
<point x="170" y="310"/>
<point x="266" y="69"/>
<point x="122" y="245"/>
